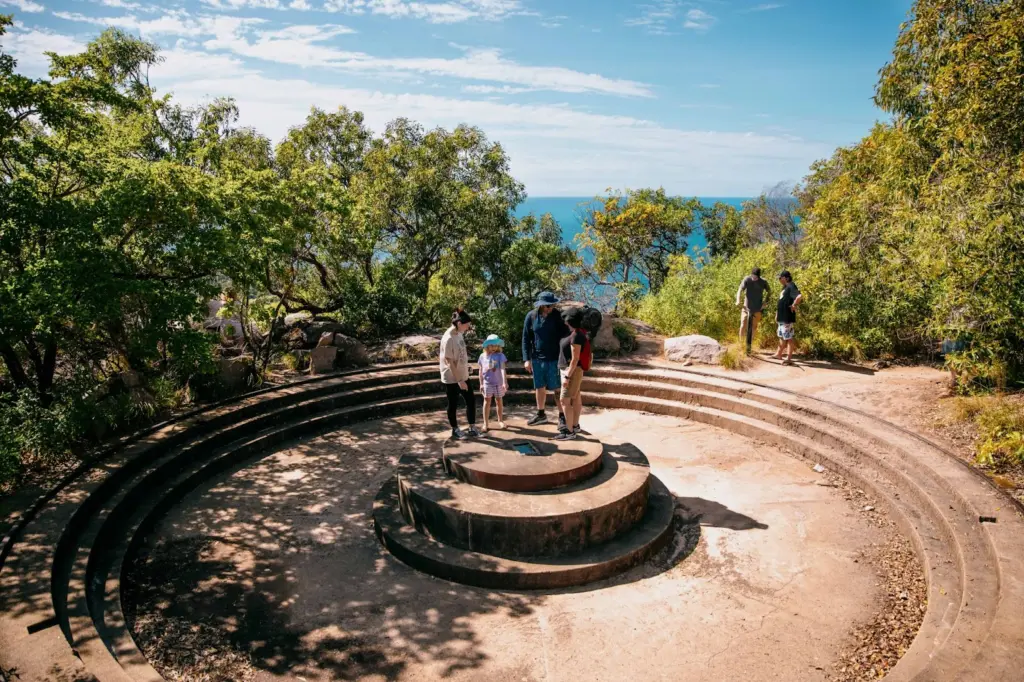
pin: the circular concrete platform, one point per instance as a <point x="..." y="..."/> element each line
<point x="277" y="560"/>
<point x="522" y="458"/>
<point x="575" y="530"/>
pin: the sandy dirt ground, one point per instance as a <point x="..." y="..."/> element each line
<point x="272" y="572"/>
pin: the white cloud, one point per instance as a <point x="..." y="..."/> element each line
<point x="495" y="89"/>
<point x="699" y="20"/>
<point x="23" y="5"/>
<point x="554" y="149"/>
<point x="763" y="7"/>
<point x="301" y="5"/>
<point x="30" y="45"/>
<point x="238" y="4"/>
<point x="655" y="18"/>
<point x="451" y="12"/>
<point x="174" y="23"/>
<point x="306" y="46"/>
<point x="119" y="4"/>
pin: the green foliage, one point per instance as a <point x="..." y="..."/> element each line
<point x="1000" y="424"/>
<point x="634" y="234"/>
<point x="699" y="296"/>
<point x="734" y="357"/>
<point x="723" y="229"/>
<point x="916" y="234"/>
<point x="626" y="336"/>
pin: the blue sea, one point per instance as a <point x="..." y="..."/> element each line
<point x="565" y="210"/>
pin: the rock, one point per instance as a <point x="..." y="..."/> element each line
<point x="316" y="328"/>
<point x="416" y="347"/>
<point x="130" y="378"/>
<point x="605" y="342"/>
<point x="235" y="372"/>
<point x="293" y="319"/>
<point x="820" y="469"/>
<point x="638" y="326"/>
<point x="868" y="508"/>
<point x="351" y="352"/>
<point x="695" y="348"/>
<point x="322" y="359"/>
<point x="228" y="328"/>
<point x="294" y="339"/>
<point x="213" y="306"/>
<point x="880" y="365"/>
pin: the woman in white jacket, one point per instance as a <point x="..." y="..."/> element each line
<point x="455" y="374"/>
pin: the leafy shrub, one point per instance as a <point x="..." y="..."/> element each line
<point x="734" y="357"/>
<point x="699" y="296"/>
<point x="626" y="336"/>
<point x="1000" y="424"/>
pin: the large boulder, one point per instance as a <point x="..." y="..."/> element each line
<point x="235" y="372"/>
<point x="605" y="342"/>
<point x="351" y="352"/>
<point x="323" y="359"/>
<point x="694" y="348"/>
<point x="314" y="329"/>
<point x="416" y="347"/>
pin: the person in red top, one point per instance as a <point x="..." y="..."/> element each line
<point x="571" y="366"/>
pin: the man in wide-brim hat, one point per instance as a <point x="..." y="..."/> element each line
<point x="543" y="329"/>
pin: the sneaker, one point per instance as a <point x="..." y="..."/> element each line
<point x="539" y="418"/>
<point x="457" y="434"/>
<point x="501" y="426"/>
<point x="565" y="435"/>
<point x="577" y="429"/>
<point x="472" y="432"/>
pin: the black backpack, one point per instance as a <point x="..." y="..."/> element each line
<point x="592" y="319"/>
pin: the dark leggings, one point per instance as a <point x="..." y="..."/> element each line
<point x="454" y="392"/>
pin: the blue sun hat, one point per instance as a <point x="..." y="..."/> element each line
<point x="545" y="298"/>
<point x="494" y="340"/>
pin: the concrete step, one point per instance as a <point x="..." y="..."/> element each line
<point x="492" y="460"/>
<point x="558" y="522"/>
<point x="475" y="568"/>
<point x="164" y="487"/>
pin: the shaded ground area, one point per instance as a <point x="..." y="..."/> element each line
<point x="273" y="572"/>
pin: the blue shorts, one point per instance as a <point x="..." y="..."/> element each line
<point x="546" y="375"/>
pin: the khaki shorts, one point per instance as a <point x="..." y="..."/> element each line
<point x="571" y="384"/>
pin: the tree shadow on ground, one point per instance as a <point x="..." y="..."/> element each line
<point x="717" y="515"/>
<point x="279" y="555"/>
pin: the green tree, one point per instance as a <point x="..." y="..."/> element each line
<point x="633" y="234"/>
<point x="927" y="213"/>
<point x="723" y="229"/>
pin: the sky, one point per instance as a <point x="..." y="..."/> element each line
<point x="703" y="97"/>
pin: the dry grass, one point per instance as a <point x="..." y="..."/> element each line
<point x="735" y="358"/>
<point x="999" y="423"/>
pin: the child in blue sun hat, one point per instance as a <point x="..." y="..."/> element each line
<point x="493" y="379"/>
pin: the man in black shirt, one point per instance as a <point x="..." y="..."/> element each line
<point x="785" y="316"/>
<point x="755" y="289"/>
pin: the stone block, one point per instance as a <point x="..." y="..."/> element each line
<point x="694" y="348"/>
<point x="323" y="359"/>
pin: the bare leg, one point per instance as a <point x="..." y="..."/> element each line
<point x="542" y="396"/>
<point x="487" y="412"/>
<point x="790" y="345"/>
<point x="567" y="405"/>
<point x="501" y="412"/>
